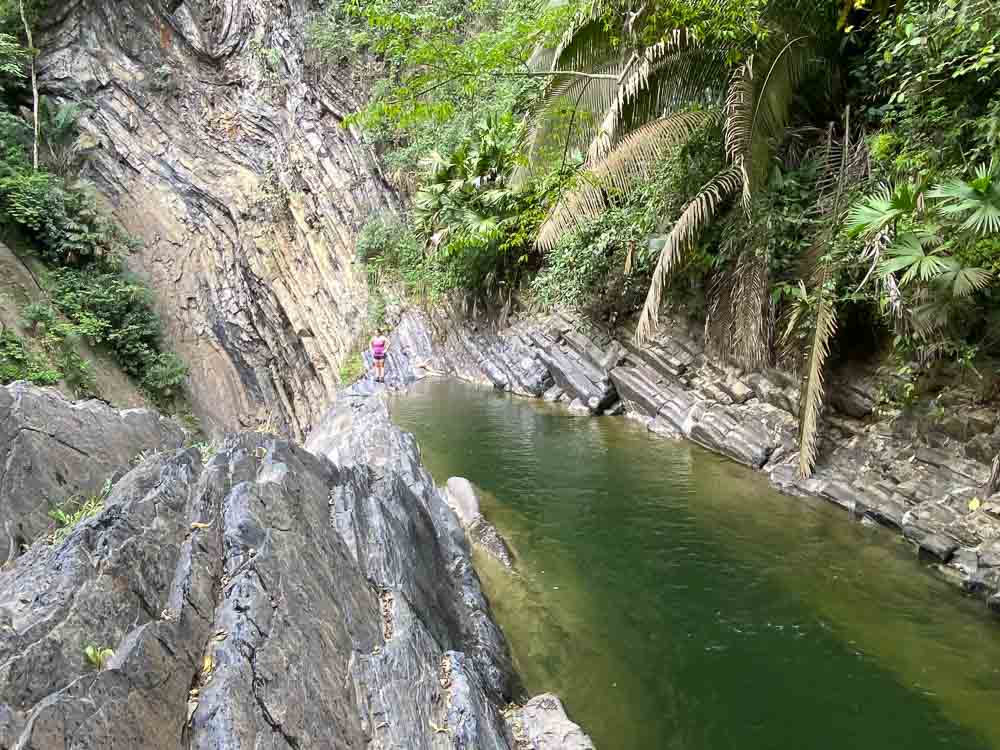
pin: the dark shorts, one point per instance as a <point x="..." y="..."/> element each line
<point x="379" y="357"/>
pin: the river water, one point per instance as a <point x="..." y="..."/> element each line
<point x="674" y="600"/>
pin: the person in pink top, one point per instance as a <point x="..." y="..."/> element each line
<point x="379" y="346"/>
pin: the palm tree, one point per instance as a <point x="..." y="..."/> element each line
<point x="642" y="104"/>
<point x="637" y="106"/>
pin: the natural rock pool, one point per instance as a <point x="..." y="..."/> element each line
<point x="674" y="600"/>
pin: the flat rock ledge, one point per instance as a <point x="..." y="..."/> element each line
<point x="267" y="596"/>
<point x="915" y="474"/>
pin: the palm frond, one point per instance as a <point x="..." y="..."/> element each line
<point x="873" y="213"/>
<point x="696" y="215"/>
<point x="675" y="72"/>
<point x="979" y="198"/>
<point x="738" y="125"/>
<point x="813" y="391"/>
<point x="908" y="254"/>
<point x="566" y="117"/>
<point x="751" y="330"/>
<point x="961" y="281"/>
<point x="813" y="386"/>
<point x="759" y="107"/>
<point x="635" y="156"/>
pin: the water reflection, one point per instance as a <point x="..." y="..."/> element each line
<point x="675" y="600"/>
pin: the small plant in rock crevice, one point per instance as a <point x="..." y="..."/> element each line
<point x="71" y="513"/>
<point x="352" y="369"/>
<point x="97" y="656"/>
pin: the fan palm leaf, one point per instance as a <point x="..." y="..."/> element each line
<point x="979" y="198"/>
<point x="635" y="156"/>
<point x="882" y="209"/>
<point x="693" y="219"/>
<point x="961" y="281"/>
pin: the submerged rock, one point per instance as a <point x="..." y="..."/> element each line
<point x="463" y="499"/>
<point x="274" y="597"/>
<point x="542" y="724"/>
<point x="52" y="450"/>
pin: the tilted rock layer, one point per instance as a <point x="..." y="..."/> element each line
<point x="52" y="451"/>
<point x="267" y="597"/>
<point x="221" y="148"/>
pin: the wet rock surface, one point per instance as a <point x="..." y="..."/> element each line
<point x="52" y="450"/>
<point x="267" y="596"/>
<point x="216" y="137"/>
<point x="542" y="724"/>
<point x="463" y="498"/>
<point x="914" y="473"/>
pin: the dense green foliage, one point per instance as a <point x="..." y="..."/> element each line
<point x="784" y="170"/>
<point x="48" y="212"/>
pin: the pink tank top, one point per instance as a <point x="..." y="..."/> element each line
<point x="378" y="346"/>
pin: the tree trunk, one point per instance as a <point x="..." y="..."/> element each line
<point x="34" y="82"/>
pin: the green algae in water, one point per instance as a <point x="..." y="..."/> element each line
<point x="675" y="600"/>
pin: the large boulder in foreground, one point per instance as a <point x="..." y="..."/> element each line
<point x="274" y="597"/>
<point x="52" y="449"/>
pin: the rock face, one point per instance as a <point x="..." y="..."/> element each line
<point x="273" y="597"/>
<point x="914" y="474"/>
<point x="219" y="144"/>
<point x="52" y="450"/>
<point x="512" y="362"/>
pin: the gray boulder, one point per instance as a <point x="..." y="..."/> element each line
<point x="52" y="449"/>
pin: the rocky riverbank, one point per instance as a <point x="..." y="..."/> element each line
<point x="918" y="473"/>
<point x="259" y="595"/>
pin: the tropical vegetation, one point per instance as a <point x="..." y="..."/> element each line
<point x="813" y="180"/>
<point x="48" y="212"/>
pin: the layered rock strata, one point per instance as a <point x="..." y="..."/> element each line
<point x="916" y="475"/>
<point x="265" y="596"/>
<point x="221" y="146"/>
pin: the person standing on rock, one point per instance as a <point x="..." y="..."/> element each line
<point x="379" y="346"/>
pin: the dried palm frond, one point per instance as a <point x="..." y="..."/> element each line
<point x="635" y="156"/>
<point x="758" y="109"/>
<point x="719" y="317"/>
<point x="825" y="325"/>
<point x="813" y="387"/>
<point x="751" y="318"/>
<point x="738" y="125"/>
<point x="696" y="215"/>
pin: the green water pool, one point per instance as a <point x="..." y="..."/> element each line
<point x="675" y="600"/>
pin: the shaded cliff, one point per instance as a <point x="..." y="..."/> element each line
<point x="217" y="144"/>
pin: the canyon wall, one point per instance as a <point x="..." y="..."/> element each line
<point x="216" y="142"/>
